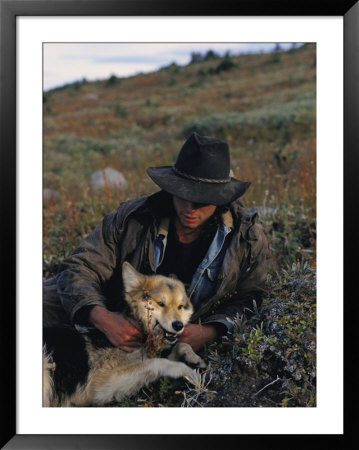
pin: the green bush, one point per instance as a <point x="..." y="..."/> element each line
<point x="226" y="64"/>
<point x="121" y="111"/>
<point x="274" y="116"/>
<point x="210" y="55"/>
<point x="274" y="58"/>
<point x="113" y="81"/>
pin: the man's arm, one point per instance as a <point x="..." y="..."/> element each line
<point x="84" y="273"/>
<point x="81" y="280"/>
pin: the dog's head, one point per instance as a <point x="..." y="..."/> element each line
<point x="157" y="301"/>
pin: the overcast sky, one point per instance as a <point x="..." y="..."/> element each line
<point x="69" y="62"/>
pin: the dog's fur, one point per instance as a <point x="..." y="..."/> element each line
<point x="84" y="369"/>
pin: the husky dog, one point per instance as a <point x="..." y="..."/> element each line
<point x="85" y="369"/>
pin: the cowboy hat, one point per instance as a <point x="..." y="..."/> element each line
<point x="201" y="173"/>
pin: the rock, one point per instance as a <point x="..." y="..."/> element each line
<point x="108" y="178"/>
<point x="91" y="96"/>
<point x="49" y="194"/>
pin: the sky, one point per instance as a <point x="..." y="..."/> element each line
<point x="68" y="62"/>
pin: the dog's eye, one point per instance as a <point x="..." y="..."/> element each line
<point x="161" y="304"/>
<point x="180" y="307"/>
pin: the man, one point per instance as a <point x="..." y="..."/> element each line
<point x="195" y="228"/>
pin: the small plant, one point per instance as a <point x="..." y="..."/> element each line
<point x="250" y="343"/>
<point x="192" y="395"/>
<point x="165" y="388"/>
<point x="121" y="111"/>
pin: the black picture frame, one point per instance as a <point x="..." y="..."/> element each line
<point x="9" y="10"/>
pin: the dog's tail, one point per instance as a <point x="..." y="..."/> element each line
<point x="48" y="391"/>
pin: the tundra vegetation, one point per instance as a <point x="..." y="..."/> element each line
<point x="264" y="105"/>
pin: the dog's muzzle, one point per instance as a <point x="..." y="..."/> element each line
<point x="168" y="336"/>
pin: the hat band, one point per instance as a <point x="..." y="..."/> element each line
<point x="205" y="180"/>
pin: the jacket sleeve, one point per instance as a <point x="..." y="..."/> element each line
<point x="250" y="285"/>
<point x="84" y="273"/>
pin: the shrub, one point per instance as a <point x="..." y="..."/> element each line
<point x="174" y="68"/>
<point x="120" y="111"/>
<point x="46" y="97"/>
<point x="196" y="58"/>
<point x="113" y="81"/>
<point x="226" y="64"/>
<point x="274" y="58"/>
<point x="149" y="102"/>
<point x="210" y="55"/>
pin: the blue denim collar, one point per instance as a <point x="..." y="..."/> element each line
<point x="214" y="253"/>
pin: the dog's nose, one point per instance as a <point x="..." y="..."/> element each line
<point x="177" y="325"/>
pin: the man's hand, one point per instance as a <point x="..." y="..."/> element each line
<point x="198" y="335"/>
<point x="119" y="331"/>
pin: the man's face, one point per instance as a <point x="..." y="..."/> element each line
<point x="192" y="215"/>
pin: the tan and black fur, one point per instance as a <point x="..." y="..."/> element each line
<point x="84" y="369"/>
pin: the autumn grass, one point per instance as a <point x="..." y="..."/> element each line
<point x="264" y="106"/>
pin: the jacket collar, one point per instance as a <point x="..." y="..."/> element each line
<point x="163" y="227"/>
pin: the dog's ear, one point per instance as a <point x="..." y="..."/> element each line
<point x="131" y="278"/>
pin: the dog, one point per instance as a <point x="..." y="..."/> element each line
<point x="85" y="369"/>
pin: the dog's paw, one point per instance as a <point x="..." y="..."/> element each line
<point x="176" y="369"/>
<point x="202" y="364"/>
<point x="192" y="359"/>
<point x="183" y="371"/>
<point x="184" y="352"/>
<point x="196" y="363"/>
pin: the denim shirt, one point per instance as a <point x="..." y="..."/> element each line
<point x="204" y="281"/>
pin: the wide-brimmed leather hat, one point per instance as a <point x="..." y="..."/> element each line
<point x="201" y="173"/>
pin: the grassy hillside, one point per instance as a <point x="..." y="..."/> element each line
<point x="264" y="106"/>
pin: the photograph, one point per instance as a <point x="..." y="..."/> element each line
<point x="192" y="162"/>
<point x="170" y="215"/>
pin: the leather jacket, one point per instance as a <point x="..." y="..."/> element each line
<point x="91" y="275"/>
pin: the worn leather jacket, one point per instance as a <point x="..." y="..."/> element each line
<point x="230" y="277"/>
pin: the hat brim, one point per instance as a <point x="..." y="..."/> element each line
<point x="217" y="194"/>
